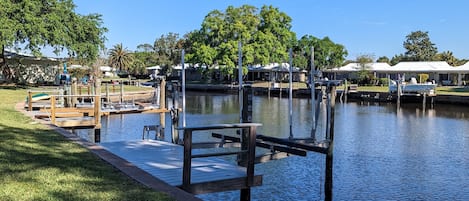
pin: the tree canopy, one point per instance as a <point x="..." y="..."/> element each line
<point x="35" y="24"/>
<point x="327" y="54"/>
<point x="120" y="58"/>
<point x="265" y="37"/>
<point x="419" y="47"/>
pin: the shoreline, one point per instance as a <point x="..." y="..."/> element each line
<point x="370" y="96"/>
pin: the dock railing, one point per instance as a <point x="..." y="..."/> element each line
<point x="249" y="153"/>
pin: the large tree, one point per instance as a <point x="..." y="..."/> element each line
<point x="419" y="47"/>
<point x="383" y="59"/>
<point x="327" y="54"/>
<point x="167" y="49"/>
<point x="120" y="58"/>
<point x="265" y="37"/>
<point x="35" y="24"/>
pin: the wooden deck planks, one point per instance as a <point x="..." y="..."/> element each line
<point x="165" y="160"/>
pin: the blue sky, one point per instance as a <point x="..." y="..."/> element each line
<point x="376" y="27"/>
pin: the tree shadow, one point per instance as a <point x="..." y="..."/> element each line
<point x="60" y="169"/>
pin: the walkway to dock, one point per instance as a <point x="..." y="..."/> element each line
<point x="164" y="160"/>
<point x="123" y="165"/>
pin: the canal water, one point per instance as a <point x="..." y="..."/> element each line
<point x="380" y="152"/>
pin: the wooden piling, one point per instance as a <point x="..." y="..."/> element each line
<point x="97" y="111"/>
<point x="122" y="93"/>
<point x="52" y="109"/>
<point x="30" y="101"/>
<point x="108" y="100"/>
<point x="329" y="156"/>
<point x="74" y="91"/>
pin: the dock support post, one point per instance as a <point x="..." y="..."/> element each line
<point x="186" y="168"/>
<point x="74" y="91"/>
<point x="245" y="194"/>
<point x="424" y="101"/>
<point x="30" y="101"/>
<point x="398" y="93"/>
<point x="52" y="109"/>
<point x="175" y="112"/>
<point x="162" y="104"/>
<point x="68" y="99"/>
<point x="330" y="136"/>
<point x="97" y="111"/>
<point x="122" y="93"/>
<point x="108" y="100"/>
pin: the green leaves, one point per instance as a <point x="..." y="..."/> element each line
<point x="120" y="58"/>
<point x="419" y="47"/>
<point x="327" y="54"/>
<point x="265" y="37"/>
<point x="37" y="23"/>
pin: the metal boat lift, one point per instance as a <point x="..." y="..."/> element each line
<point x="279" y="147"/>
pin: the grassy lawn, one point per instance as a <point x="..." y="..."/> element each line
<point x="38" y="164"/>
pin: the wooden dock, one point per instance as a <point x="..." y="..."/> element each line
<point x="164" y="160"/>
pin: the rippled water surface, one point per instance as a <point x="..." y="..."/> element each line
<point x="380" y="152"/>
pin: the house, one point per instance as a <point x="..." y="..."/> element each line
<point x="439" y="71"/>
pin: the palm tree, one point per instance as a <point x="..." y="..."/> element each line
<point x="120" y="58"/>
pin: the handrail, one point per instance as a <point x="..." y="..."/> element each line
<point x="248" y="154"/>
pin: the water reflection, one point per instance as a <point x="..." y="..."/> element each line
<point x="381" y="152"/>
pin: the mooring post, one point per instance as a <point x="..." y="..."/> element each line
<point x="52" y="109"/>
<point x="424" y="101"/>
<point x="398" y="84"/>
<point x="107" y="93"/>
<point x="162" y="104"/>
<point x="97" y="111"/>
<point x="122" y="93"/>
<point x="74" y="91"/>
<point x="30" y="101"/>
<point x="246" y="117"/>
<point x="175" y="113"/>
<point x="68" y="91"/>
<point x="330" y="136"/>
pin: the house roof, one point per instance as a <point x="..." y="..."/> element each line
<point x="412" y="66"/>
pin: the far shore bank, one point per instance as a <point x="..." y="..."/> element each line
<point x="302" y="92"/>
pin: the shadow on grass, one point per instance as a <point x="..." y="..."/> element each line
<point x="39" y="164"/>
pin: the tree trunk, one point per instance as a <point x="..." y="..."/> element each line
<point x="3" y="63"/>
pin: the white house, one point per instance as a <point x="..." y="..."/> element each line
<point x="440" y="71"/>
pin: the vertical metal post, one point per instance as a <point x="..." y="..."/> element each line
<point x="162" y="103"/>
<point x="313" y="96"/>
<point x="183" y="90"/>
<point x="290" y="94"/>
<point x="240" y="81"/>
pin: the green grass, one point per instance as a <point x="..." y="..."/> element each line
<point x="38" y="164"/>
